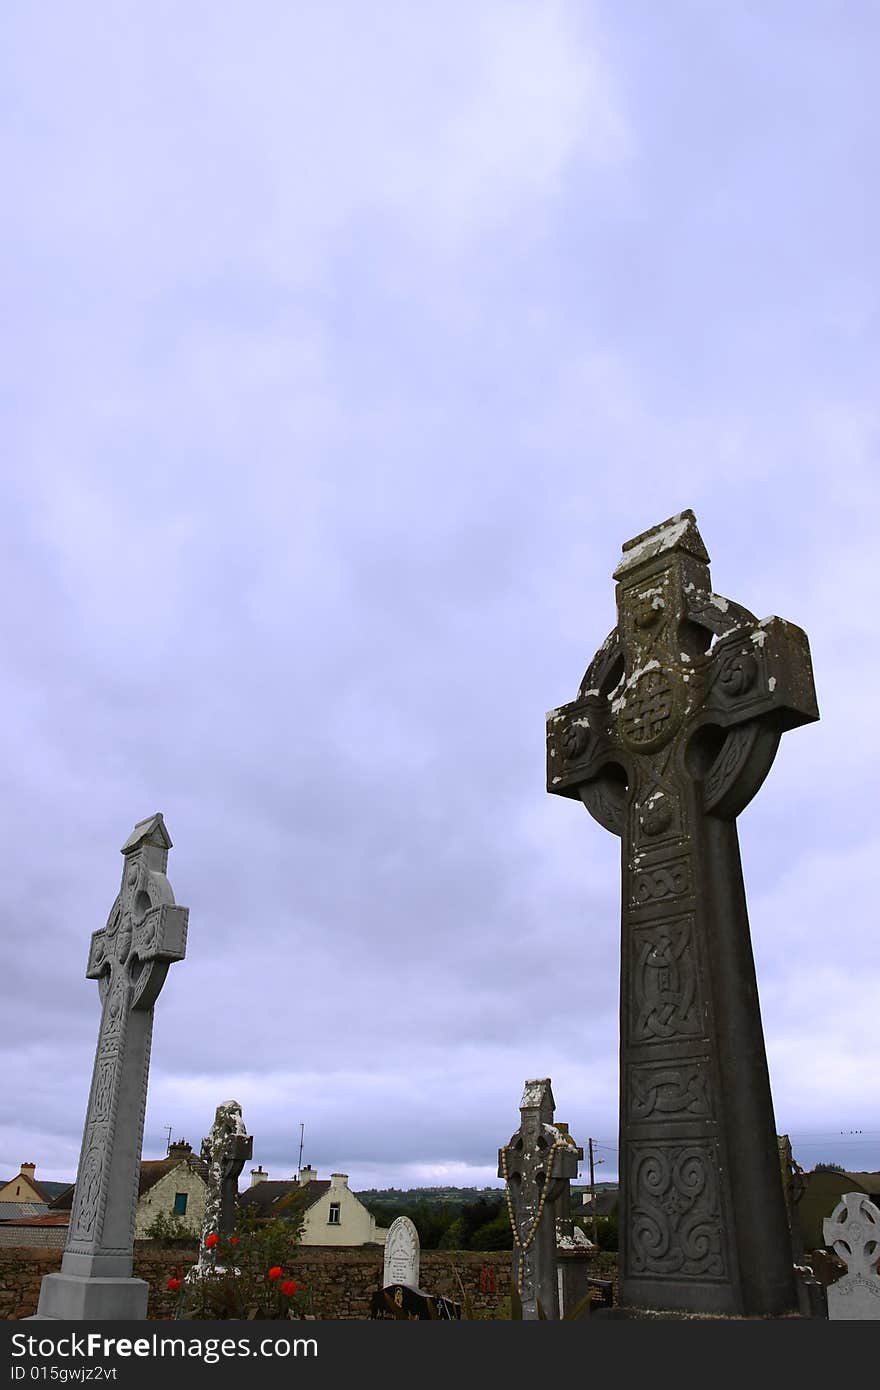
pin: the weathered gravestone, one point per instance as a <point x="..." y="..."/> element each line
<point x="225" y="1150"/>
<point x="674" y="728"/>
<point x="145" y="932"/>
<point x="853" y="1232"/>
<point x="400" y="1296"/>
<point x="537" y="1166"/>
<point x="402" y="1254"/>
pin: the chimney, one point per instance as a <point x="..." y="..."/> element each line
<point x="338" y="1180"/>
<point x="308" y="1173"/>
<point x="28" y="1170"/>
<point x="258" y="1175"/>
<point x="179" y="1149"/>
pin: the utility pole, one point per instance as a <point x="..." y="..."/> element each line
<point x="168" y="1129"/>
<point x="593" y="1190"/>
<point x="302" y="1130"/>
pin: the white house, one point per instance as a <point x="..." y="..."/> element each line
<point x="330" y="1211"/>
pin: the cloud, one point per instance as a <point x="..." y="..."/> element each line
<point x="345" y="351"/>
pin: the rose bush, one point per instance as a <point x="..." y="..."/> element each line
<point x="249" y="1276"/>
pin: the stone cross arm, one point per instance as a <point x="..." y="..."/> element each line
<point x="238" y="1149"/>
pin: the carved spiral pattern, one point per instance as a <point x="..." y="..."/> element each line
<point x="574" y="740"/>
<point x="676" y="1226"/>
<point x="737" y="675"/>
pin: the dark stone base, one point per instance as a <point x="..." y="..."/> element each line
<point x="657" y="1315"/>
<point x="414" y="1305"/>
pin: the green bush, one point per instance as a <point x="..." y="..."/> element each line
<point x="172" y="1230"/>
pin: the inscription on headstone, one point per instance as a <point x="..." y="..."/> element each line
<point x="129" y="958"/>
<point x="853" y="1232"/>
<point x="674" y="728"/>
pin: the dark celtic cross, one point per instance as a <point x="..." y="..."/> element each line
<point x="674" y="729"/>
<point x="537" y="1166"/>
<point x="145" y="932"/>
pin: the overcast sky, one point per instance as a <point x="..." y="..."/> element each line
<point x="344" y="346"/>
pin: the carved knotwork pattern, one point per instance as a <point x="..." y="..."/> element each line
<point x="674" y="1214"/>
<point x="651" y="713"/>
<point x="103" y="1100"/>
<point x="729" y="763"/>
<point x="664" y="981"/>
<point x="88" y="1187"/>
<point x="674" y="1092"/>
<point x="660" y="883"/>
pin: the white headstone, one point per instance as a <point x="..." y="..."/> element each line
<point x="853" y="1232"/>
<point x="401" y="1254"/>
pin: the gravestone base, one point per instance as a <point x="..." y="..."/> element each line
<point x="81" y="1298"/>
<point x="668" y="1315"/>
<point x="575" y="1281"/>
<point x="399" y="1301"/>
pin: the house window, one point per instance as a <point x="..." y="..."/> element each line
<point x="180" y="1203"/>
<point x="333" y="1218"/>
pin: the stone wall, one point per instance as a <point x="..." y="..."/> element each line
<point x="46" y="1237"/>
<point x="341" y="1281"/>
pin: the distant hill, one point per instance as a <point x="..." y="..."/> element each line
<point x="405" y="1196"/>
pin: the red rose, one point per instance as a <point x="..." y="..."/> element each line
<point x="211" y="1241"/>
<point x="275" y="1272"/>
<point x="233" y="1240"/>
<point x="289" y="1287"/>
<point x="173" y="1285"/>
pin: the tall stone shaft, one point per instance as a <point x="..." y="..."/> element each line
<point x="675" y="726"/>
<point x="129" y="958"/>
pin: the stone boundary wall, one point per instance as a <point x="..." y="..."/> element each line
<point x="341" y="1279"/>
<point x="43" y="1237"/>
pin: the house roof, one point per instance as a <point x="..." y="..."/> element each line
<point x="152" y="1169"/>
<point x="265" y="1198"/>
<point x="49" y="1218"/>
<point x="42" y="1191"/>
<point x="11" y="1211"/>
<point x="54" y="1189"/>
